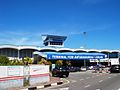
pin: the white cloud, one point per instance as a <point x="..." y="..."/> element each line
<point x="15" y="41"/>
<point x="20" y="33"/>
<point x="34" y="38"/>
<point x="37" y="43"/>
<point x="22" y="40"/>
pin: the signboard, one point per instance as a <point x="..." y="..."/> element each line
<point x="114" y="61"/>
<point x="75" y="56"/>
<point x="17" y="76"/>
<point x="13" y="71"/>
<point x="9" y="71"/>
<point x="101" y="60"/>
<point x="39" y="69"/>
<point x="3" y="71"/>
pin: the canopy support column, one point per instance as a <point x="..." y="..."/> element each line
<point x="84" y="62"/>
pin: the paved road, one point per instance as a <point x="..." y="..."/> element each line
<point x="90" y="81"/>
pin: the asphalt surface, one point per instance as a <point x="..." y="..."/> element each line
<point x="90" y="81"/>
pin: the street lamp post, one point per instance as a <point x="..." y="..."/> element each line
<point x="119" y="56"/>
<point x="84" y="33"/>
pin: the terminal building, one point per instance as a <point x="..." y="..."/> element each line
<point x="54" y="45"/>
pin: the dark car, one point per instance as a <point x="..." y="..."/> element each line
<point x="74" y="69"/>
<point x="60" y="71"/>
<point x="114" y="68"/>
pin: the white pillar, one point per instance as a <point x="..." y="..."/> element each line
<point x="108" y="59"/>
<point x="84" y="62"/>
<point x="18" y="54"/>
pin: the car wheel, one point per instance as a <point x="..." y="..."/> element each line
<point x="53" y="75"/>
<point x="67" y="75"/>
<point x="111" y="71"/>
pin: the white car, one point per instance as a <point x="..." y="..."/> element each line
<point x="91" y="67"/>
<point x="83" y="68"/>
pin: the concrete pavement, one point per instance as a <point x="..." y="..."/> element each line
<point x="54" y="81"/>
<point x="82" y="81"/>
<point x="91" y="81"/>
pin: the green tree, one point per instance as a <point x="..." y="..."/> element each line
<point x="4" y="60"/>
<point x="49" y="63"/>
<point x="16" y="62"/>
<point x="68" y="63"/>
<point x="59" y="62"/>
<point x="28" y="60"/>
<point x="43" y="61"/>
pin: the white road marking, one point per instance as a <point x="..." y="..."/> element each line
<point x="81" y="79"/>
<point x="101" y="81"/>
<point x="87" y="77"/>
<point x="73" y="81"/>
<point x="67" y="81"/>
<point x="97" y="89"/>
<point x="115" y="75"/>
<point x="40" y="86"/>
<point x="87" y="86"/>
<point x="118" y="88"/>
<point x="67" y="88"/>
<point x="109" y="77"/>
<point x="53" y="84"/>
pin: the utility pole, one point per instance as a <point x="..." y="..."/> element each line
<point x="84" y="34"/>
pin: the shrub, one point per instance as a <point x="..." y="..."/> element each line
<point x="49" y="63"/>
<point x="16" y="62"/>
<point x="28" y="60"/>
<point x="59" y="62"/>
<point x="68" y="63"/>
<point x="4" y="60"/>
<point x="43" y="61"/>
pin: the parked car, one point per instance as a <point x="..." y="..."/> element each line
<point x="90" y="67"/>
<point x="114" y="68"/>
<point x="83" y="68"/>
<point x="60" y="71"/>
<point x="74" y="69"/>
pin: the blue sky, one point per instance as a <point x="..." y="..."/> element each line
<point x="23" y="21"/>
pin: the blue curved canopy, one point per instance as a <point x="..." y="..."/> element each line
<point x="73" y="56"/>
<point x="76" y="56"/>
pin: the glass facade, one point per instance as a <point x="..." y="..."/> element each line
<point x="9" y="52"/>
<point x="26" y="53"/>
<point x="13" y="53"/>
